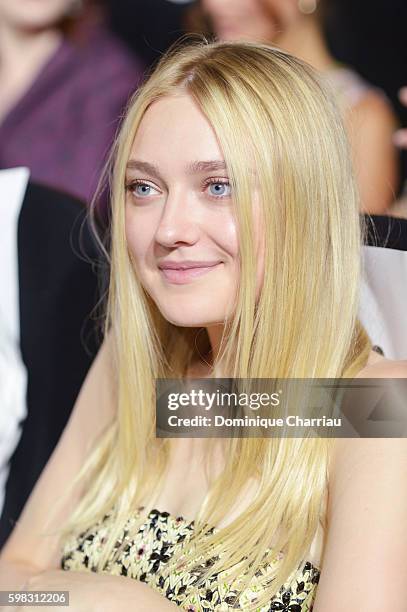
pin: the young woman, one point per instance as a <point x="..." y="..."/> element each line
<point x="297" y="27"/>
<point x="235" y="251"/>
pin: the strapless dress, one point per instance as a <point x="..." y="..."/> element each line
<point x="142" y="555"/>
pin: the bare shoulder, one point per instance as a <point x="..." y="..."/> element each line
<point x="347" y="452"/>
<point x="96" y="402"/>
<point x="375" y="107"/>
<point x="376" y="367"/>
<point x="366" y="526"/>
<point x="380" y="367"/>
<point x="366" y="534"/>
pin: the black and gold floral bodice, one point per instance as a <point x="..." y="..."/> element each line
<point x="144" y="553"/>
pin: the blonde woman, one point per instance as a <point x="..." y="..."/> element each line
<point x="235" y="252"/>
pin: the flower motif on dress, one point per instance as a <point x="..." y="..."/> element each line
<point x="144" y="552"/>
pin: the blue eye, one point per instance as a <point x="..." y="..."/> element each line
<point x="140" y="189"/>
<point x="219" y="189"/>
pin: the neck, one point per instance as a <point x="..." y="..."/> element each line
<point x="304" y="39"/>
<point x="202" y="367"/>
<point x="215" y="336"/>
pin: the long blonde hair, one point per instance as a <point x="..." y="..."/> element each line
<point x="271" y="115"/>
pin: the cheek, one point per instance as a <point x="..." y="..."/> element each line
<point x="225" y="234"/>
<point x="137" y="235"/>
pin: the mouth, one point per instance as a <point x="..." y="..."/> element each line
<point x="180" y="276"/>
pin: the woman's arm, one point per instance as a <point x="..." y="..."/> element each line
<point x="93" y="592"/>
<point x="400" y="137"/>
<point x="364" y="566"/>
<point x="371" y="124"/>
<point x="27" y="550"/>
<point x="14" y="575"/>
<point x="30" y="560"/>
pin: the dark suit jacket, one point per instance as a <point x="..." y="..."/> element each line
<point x="386" y="232"/>
<point x="57" y="292"/>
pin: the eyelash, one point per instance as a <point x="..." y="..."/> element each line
<point x="133" y="184"/>
<point x="212" y="181"/>
<point x="216" y="181"/>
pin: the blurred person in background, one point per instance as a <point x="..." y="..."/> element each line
<point x="13" y="380"/>
<point x="148" y="27"/>
<point x="64" y="80"/>
<point x="297" y="26"/>
<point x="400" y="139"/>
<point x="48" y="335"/>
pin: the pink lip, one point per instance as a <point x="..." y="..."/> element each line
<point x="185" y="272"/>
<point x="186" y="263"/>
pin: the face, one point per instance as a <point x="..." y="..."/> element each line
<point x="34" y="14"/>
<point x="181" y="229"/>
<point x="250" y="20"/>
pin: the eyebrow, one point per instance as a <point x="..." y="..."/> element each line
<point x="192" y="168"/>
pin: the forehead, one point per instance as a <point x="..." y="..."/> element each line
<point x="174" y="131"/>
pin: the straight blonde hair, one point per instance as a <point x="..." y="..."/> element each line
<point x="280" y="130"/>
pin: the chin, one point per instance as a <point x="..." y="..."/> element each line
<point x="192" y="321"/>
<point x="186" y="309"/>
<point x="191" y="317"/>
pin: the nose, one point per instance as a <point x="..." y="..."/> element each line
<point x="178" y="223"/>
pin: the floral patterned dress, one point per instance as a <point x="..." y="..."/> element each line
<point x="143" y="555"/>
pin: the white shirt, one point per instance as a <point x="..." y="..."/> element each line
<point x="13" y="376"/>
<point x="383" y="305"/>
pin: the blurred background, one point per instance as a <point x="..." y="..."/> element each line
<point x="67" y="68"/>
<point x="368" y="35"/>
